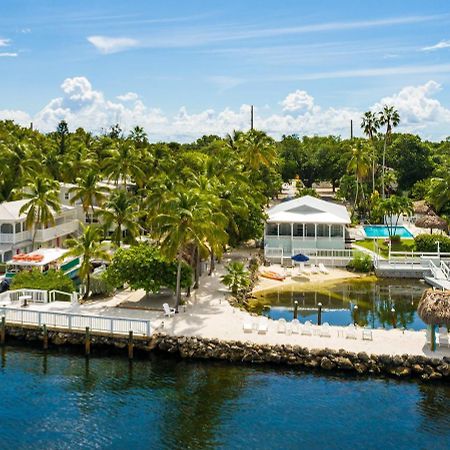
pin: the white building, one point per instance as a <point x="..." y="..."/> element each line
<point x="16" y="238"/>
<point x="305" y="225"/>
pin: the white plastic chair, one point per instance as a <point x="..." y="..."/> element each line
<point x="281" y="328"/>
<point x="443" y="337"/>
<point x="295" y="326"/>
<point x="168" y="311"/>
<point x="323" y="269"/>
<point x="248" y="327"/>
<point x="350" y="332"/>
<point x="367" y="334"/>
<point x="314" y="269"/>
<point x="307" y="329"/>
<point x="263" y="326"/>
<point x="325" y="330"/>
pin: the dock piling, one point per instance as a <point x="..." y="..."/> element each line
<point x="3" y="331"/>
<point x="45" y="337"/>
<point x="130" y="345"/>
<point x="87" y="342"/>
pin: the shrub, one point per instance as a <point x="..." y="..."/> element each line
<point x="427" y="242"/>
<point x="361" y="263"/>
<point x="395" y="239"/>
<point x="48" y="281"/>
<point x="101" y="284"/>
<point x="237" y="277"/>
<point x="307" y="191"/>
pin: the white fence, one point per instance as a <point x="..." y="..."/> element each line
<point x="331" y="256"/>
<point x="76" y="322"/>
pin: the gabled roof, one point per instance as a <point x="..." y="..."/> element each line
<point x="10" y="211"/>
<point x="309" y="209"/>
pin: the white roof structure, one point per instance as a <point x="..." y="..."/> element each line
<point x="49" y="255"/>
<point x="309" y="209"/>
<point x="10" y="211"/>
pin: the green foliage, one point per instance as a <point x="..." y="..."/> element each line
<point x="421" y="189"/>
<point x="307" y="191"/>
<point x="237" y="278"/>
<point x="142" y="267"/>
<point x="101" y="284"/>
<point x="427" y="242"/>
<point x="361" y="262"/>
<point x="395" y="239"/>
<point x="48" y="281"/>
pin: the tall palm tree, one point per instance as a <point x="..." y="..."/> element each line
<point x="391" y="118"/>
<point x="88" y="246"/>
<point x="43" y="202"/>
<point x="89" y="192"/>
<point x="120" y="213"/>
<point x="359" y="165"/>
<point x="256" y="149"/>
<point x="138" y="136"/>
<point x="370" y="124"/>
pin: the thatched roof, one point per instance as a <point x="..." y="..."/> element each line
<point x="431" y="221"/>
<point x="421" y="207"/>
<point x="434" y="307"/>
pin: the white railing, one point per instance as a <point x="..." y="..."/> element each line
<point x="52" y="295"/>
<point x="13" y="238"/>
<point x="69" y="321"/>
<point x="434" y="269"/>
<point x="37" y="295"/>
<point x="445" y="270"/>
<point x="56" y="231"/>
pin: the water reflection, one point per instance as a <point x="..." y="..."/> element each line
<point x="380" y="303"/>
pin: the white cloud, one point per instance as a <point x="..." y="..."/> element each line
<point x="107" y="45"/>
<point x="224" y="82"/>
<point x="128" y="97"/>
<point x="298" y="101"/>
<point x="440" y="45"/>
<point x="4" y="42"/>
<point x="8" y="55"/>
<point x="83" y="106"/>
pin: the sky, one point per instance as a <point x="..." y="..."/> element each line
<point x="186" y="68"/>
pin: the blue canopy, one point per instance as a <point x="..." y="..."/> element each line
<point x="300" y="258"/>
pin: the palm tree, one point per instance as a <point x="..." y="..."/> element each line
<point x="395" y="206"/>
<point x="43" y="202"/>
<point x="120" y="212"/>
<point x="370" y="125"/>
<point x="138" y="136"/>
<point x="88" y="246"/>
<point x="359" y="165"/>
<point x="237" y="277"/>
<point x="391" y="118"/>
<point x="89" y="192"/>
<point x="439" y="191"/>
<point x="256" y="149"/>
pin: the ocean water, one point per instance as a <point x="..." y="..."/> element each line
<point x="62" y="400"/>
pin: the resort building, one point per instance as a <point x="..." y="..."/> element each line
<point x="15" y="237"/>
<point x="305" y="225"/>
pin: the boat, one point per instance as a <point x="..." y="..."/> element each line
<point x="272" y="275"/>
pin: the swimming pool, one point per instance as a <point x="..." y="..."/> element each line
<point x="381" y="231"/>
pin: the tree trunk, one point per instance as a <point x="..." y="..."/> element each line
<point x="197" y="267"/>
<point x="34" y="237"/>
<point x="384" y="166"/>
<point x="212" y="264"/>
<point x="178" y="290"/>
<point x="93" y="212"/>
<point x="356" y="195"/>
<point x="373" y="170"/>
<point x="88" y="286"/>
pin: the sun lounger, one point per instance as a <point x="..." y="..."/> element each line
<point x="168" y="311"/>
<point x="350" y="332"/>
<point x="314" y="269"/>
<point x="281" y="328"/>
<point x="443" y="337"/>
<point x="307" y="328"/>
<point x="263" y="325"/>
<point x="248" y="327"/>
<point x="325" y="330"/>
<point x="323" y="269"/>
<point x="367" y="334"/>
<point x="295" y="326"/>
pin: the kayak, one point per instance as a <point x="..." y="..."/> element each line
<point x="272" y="275"/>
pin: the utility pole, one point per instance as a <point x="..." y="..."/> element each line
<point x="31" y="126"/>
<point x="351" y="129"/>
<point x="251" y="117"/>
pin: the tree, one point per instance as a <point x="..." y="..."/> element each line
<point x="389" y="117"/>
<point x="370" y="124"/>
<point x="43" y="202"/>
<point x="237" y="277"/>
<point x="394" y="207"/>
<point x="256" y="149"/>
<point x="359" y="165"/>
<point x="62" y="133"/>
<point x="120" y="213"/>
<point x="89" y="247"/>
<point x="48" y="281"/>
<point x="143" y="267"/>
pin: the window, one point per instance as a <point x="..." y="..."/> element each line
<point x="66" y="196"/>
<point x="336" y="231"/>
<point x="285" y="229"/>
<point x="272" y="229"/>
<point x="310" y="230"/>
<point x="298" y="229"/>
<point x="322" y="230"/>
<point x="6" y="228"/>
<point x="18" y="227"/>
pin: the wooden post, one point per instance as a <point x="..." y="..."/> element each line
<point x="87" y="343"/>
<point x="433" y="338"/>
<point x="45" y="337"/>
<point x="251" y="117"/>
<point x="295" y="309"/>
<point x="130" y="345"/>
<point x="3" y="331"/>
<point x="319" y="314"/>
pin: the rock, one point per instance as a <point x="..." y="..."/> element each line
<point x="417" y="368"/>
<point x="444" y="369"/>
<point x="327" y="364"/>
<point x="400" y="371"/>
<point x="343" y="363"/>
<point x="360" y="368"/>
<point x="363" y="356"/>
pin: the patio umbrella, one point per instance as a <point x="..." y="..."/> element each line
<point x="300" y="258"/>
<point x="434" y="307"/>
<point x="431" y="221"/>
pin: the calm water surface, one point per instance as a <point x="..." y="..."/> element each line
<point x="375" y="301"/>
<point x="61" y="401"/>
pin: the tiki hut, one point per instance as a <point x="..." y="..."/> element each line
<point x="421" y="208"/>
<point x="431" y="221"/>
<point x="434" y="307"/>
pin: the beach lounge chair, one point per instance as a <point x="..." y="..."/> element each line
<point x="281" y="328"/>
<point x="307" y="329"/>
<point x="443" y="337"/>
<point x="303" y="269"/>
<point x="350" y="332"/>
<point x="323" y="269"/>
<point x="263" y="325"/>
<point x="367" y="334"/>
<point x="314" y="269"/>
<point x="325" y="330"/>
<point x="168" y="311"/>
<point x="295" y="326"/>
<point x="248" y="326"/>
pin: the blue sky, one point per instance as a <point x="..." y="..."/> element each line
<point x="190" y="66"/>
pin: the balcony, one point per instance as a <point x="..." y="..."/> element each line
<point x="15" y="238"/>
<point x="57" y="231"/>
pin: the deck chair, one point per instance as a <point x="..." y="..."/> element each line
<point x="307" y="329"/>
<point x="248" y="326"/>
<point x="263" y="326"/>
<point x="350" y="332"/>
<point x="367" y="334"/>
<point x="168" y="311"/>
<point x="314" y="269"/>
<point x="443" y="337"/>
<point x="323" y="269"/>
<point x="325" y="330"/>
<point x="281" y="328"/>
<point x="295" y="326"/>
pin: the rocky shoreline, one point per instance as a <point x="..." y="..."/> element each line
<point x="405" y="366"/>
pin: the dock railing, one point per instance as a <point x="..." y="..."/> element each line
<point x="76" y="322"/>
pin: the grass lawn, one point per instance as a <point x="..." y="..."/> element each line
<point x="405" y="245"/>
